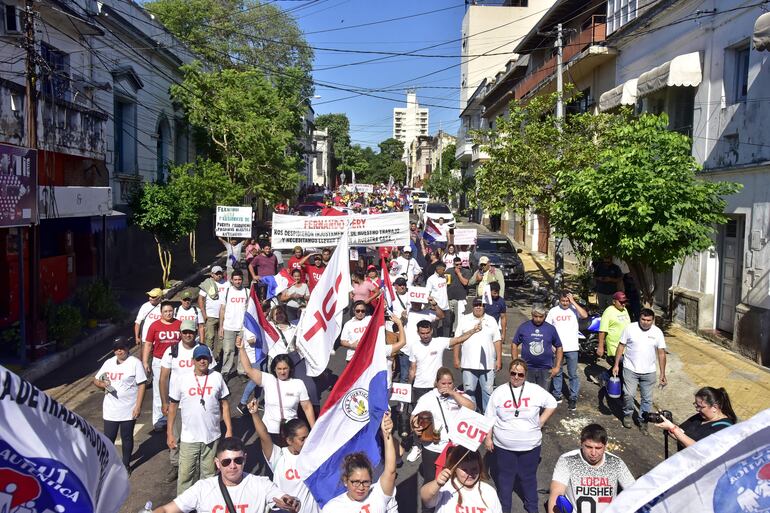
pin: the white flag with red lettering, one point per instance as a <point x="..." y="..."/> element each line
<point x="321" y="322"/>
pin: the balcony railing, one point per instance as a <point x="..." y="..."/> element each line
<point x="593" y="31"/>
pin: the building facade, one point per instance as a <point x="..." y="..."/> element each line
<point x="410" y="122"/>
<point x="322" y="161"/>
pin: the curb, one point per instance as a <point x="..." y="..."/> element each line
<point x="50" y="363"/>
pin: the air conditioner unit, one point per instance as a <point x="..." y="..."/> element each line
<point x="12" y="20"/>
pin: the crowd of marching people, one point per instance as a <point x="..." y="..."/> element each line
<point x="192" y="352"/>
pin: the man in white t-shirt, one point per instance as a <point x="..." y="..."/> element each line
<point x="187" y="311"/>
<point x="353" y="330"/>
<point x="426" y="356"/>
<point x="248" y="493"/>
<point x="231" y="315"/>
<point x="148" y="313"/>
<point x="177" y="360"/>
<point x="410" y="269"/>
<point x="202" y="398"/>
<point x="589" y="477"/>
<point x="210" y="307"/>
<point x="641" y="343"/>
<point x="564" y="317"/>
<point x="437" y="289"/>
<point x="481" y="355"/>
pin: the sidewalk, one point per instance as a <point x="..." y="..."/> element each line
<point x="692" y="362"/>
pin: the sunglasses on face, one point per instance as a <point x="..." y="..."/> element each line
<point x="202" y="358"/>
<point x="360" y="311"/>
<point x="518" y="375"/>
<point x="187" y="332"/>
<point x="227" y="461"/>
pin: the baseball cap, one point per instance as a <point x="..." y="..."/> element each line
<point x="120" y="343"/>
<point x="371" y="268"/>
<point x="156" y="292"/>
<point x="186" y="295"/>
<point x="406" y="249"/>
<point x="620" y="296"/>
<point x="216" y="269"/>
<point x="478" y="301"/>
<point x="484" y="260"/>
<point x="399" y="281"/>
<point x="202" y="351"/>
<point x="188" y="325"/>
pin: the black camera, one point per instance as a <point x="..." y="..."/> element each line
<point x="657" y="417"/>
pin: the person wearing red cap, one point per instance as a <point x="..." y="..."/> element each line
<point x="614" y="320"/>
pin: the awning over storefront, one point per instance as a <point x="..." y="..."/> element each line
<point x="624" y="94"/>
<point x="761" y="37"/>
<point x="682" y="70"/>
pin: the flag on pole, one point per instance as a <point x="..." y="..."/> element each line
<point x="727" y="472"/>
<point x="321" y="323"/>
<point x="432" y="232"/>
<point x="256" y="326"/>
<point x="278" y="283"/>
<point x="385" y="283"/>
<point x="351" y="417"/>
<point x="51" y="459"/>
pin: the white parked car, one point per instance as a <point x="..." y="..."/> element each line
<point x="437" y="210"/>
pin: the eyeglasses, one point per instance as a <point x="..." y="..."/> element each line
<point x="360" y="484"/>
<point x="360" y="311"/>
<point x="518" y="374"/>
<point x="202" y="358"/>
<point x="188" y="332"/>
<point x="238" y="461"/>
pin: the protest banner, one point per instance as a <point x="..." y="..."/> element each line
<point x="417" y="294"/>
<point x="320" y="231"/>
<point x="233" y="222"/>
<point x="469" y="428"/>
<point x="401" y="392"/>
<point x="51" y="459"/>
<point x="363" y="187"/>
<point x="465" y="236"/>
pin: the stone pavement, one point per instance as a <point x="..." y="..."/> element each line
<point x="692" y="362"/>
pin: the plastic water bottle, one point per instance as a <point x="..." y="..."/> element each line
<point x="147" y="507"/>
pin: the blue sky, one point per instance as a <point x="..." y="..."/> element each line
<point x="330" y="24"/>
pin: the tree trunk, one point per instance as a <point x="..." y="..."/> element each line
<point x="644" y="282"/>
<point x="193" y="253"/>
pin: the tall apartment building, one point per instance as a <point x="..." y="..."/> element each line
<point x="410" y="121"/>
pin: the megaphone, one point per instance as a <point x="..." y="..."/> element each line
<point x="563" y="505"/>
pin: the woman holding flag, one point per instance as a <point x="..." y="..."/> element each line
<point x="283" y="394"/>
<point x="283" y="460"/>
<point x="361" y="493"/>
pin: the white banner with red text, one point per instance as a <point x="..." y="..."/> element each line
<point x="319" y="231"/>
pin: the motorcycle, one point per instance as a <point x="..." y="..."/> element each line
<point x="588" y="337"/>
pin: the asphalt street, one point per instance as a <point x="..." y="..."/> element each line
<point x="72" y="385"/>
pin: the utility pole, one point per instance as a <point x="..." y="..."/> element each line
<point x="30" y="122"/>
<point x="558" y="279"/>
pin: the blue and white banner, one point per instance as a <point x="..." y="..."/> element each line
<point x="727" y="472"/>
<point x="51" y="459"/>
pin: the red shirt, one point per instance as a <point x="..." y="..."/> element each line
<point x="314" y="273"/>
<point x="294" y="264"/>
<point x="162" y="336"/>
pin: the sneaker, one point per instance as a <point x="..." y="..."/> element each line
<point x="173" y="474"/>
<point x="594" y="379"/>
<point x="643" y="428"/>
<point x="242" y="409"/>
<point x="572" y="405"/>
<point x="414" y="454"/>
<point x="559" y="400"/>
<point x="627" y="422"/>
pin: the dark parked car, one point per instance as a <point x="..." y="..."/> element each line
<point x="502" y="255"/>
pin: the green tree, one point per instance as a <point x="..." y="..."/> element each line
<point x="162" y="211"/>
<point x="642" y="200"/>
<point x="356" y="161"/>
<point x="386" y="163"/>
<point x="251" y="123"/>
<point x="444" y="183"/>
<point x="338" y="126"/>
<point x="240" y="34"/>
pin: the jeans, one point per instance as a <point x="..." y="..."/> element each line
<point x="541" y="377"/>
<point x="196" y="461"/>
<point x="212" y="336"/>
<point x="157" y="405"/>
<point x="512" y="464"/>
<point x="473" y="378"/>
<point x="228" y="352"/>
<point x="403" y="368"/>
<point x="571" y="361"/>
<point x="251" y="386"/>
<point x="632" y="380"/>
<point x="126" y="428"/>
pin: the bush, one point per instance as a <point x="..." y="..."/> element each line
<point x="97" y="301"/>
<point x="64" y="323"/>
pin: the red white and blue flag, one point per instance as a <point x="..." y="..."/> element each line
<point x="278" y="283"/>
<point x="432" y="232"/>
<point x="351" y="417"/>
<point x="256" y="326"/>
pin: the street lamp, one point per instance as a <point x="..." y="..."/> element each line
<point x="306" y="98"/>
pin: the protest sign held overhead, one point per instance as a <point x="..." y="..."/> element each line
<point x="401" y="392"/>
<point x="51" y="459"/>
<point x="417" y="294"/>
<point x="319" y="231"/>
<point x="465" y="236"/>
<point x="233" y="222"/>
<point x="469" y="428"/>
